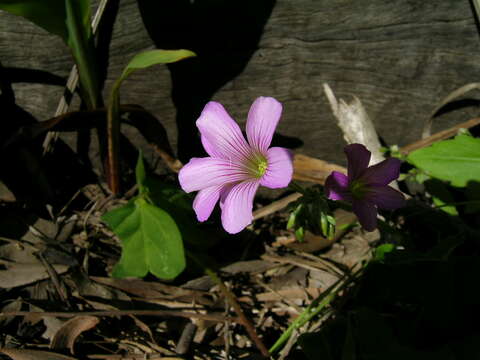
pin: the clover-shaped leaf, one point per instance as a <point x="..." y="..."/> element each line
<point x="150" y="238"/>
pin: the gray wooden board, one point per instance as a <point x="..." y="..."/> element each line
<point x="399" y="57"/>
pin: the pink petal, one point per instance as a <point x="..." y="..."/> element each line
<point x="262" y="120"/>
<point x="237" y="205"/>
<point x="382" y="173"/>
<point x="385" y="197"/>
<point x="280" y="168"/>
<point x="205" y="201"/>
<point x="202" y="173"/>
<point x="220" y="134"/>
<point x="366" y="213"/>
<point x="336" y="187"/>
<point x="358" y="158"/>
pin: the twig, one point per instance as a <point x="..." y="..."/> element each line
<point x="238" y="310"/>
<point x="275" y="206"/>
<point x="54" y="277"/>
<point x="441" y="135"/>
<point x="167" y="313"/>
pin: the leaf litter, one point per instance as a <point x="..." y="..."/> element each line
<point x="140" y="317"/>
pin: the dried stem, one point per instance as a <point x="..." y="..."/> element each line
<point x="238" y="310"/>
<point x="166" y="313"/>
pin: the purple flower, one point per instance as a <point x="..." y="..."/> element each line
<point x="235" y="167"/>
<point x="366" y="187"/>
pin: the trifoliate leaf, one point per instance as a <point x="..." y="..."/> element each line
<point x="150" y="239"/>
<point x="456" y="160"/>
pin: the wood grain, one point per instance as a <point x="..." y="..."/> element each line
<point x="400" y="58"/>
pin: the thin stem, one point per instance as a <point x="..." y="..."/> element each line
<point x="315" y="308"/>
<point x="242" y="319"/>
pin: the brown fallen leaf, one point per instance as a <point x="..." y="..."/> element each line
<point x="146" y="289"/>
<point x="21" y="354"/>
<point x="68" y="333"/>
<point x="18" y="274"/>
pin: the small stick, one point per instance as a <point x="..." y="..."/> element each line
<point x="241" y="316"/>
<point x="441" y="135"/>
<point x="54" y="277"/>
<point x="61" y="314"/>
<point x="275" y="206"/>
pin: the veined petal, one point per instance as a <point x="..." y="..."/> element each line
<point x="358" y="158"/>
<point x="237" y="205"/>
<point x="366" y="213"/>
<point x="202" y="173"/>
<point x="262" y="120"/>
<point x="205" y="201"/>
<point x="336" y="187"/>
<point x="280" y="168"/>
<point x="382" y="173"/>
<point x="221" y="136"/>
<point x="385" y="197"/>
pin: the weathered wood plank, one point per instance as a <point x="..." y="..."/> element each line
<point x="400" y="58"/>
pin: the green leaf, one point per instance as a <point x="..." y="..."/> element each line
<point x="441" y="196"/>
<point x="48" y="14"/>
<point x="150" y="238"/>
<point x="71" y="21"/>
<point x="154" y="57"/>
<point x="380" y="251"/>
<point x="139" y="61"/>
<point x="300" y="233"/>
<point x="456" y="160"/>
<point x="140" y="173"/>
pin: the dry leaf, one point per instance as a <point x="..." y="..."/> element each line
<point x="68" y="333"/>
<point x="355" y="123"/>
<point x="145" y="289"/>
<point x="23" y="274"/>
<point x="20" y="354"/>
<point x="12" y="306"/>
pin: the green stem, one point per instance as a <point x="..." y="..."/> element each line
<point x="315" y="308"/>
<point x="456" y="203"/>
<point x="83" y="50"/>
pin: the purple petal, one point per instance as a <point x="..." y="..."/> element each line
<point x="237" y="205"/>
<point x="262" y="120"/>
<point x="358" y="158"/>
<point x="221" y="136"/>
<point x="382" y="173"/>
<point x="336" y="187"/>
<point x="202" y="173"/>
<point x="366" y="213"/>
<point x="205" y="201"/>
<point x="385" y="197"/>
<point x="280" y="168"/>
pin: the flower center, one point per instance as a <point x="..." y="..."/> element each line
<point x="257" y="165"/>
<point x="262" y="167"/>
<point x="358" y="189"/>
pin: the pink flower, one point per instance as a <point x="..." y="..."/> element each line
<point x="366" y="187"/>
<point x="235" y="167"/>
